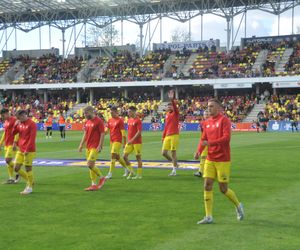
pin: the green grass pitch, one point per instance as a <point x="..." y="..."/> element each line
<point x="157" y="212"/>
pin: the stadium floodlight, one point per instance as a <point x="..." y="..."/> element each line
<point x="16" y="2"/>
<point x="61" y="1"/>
<point x="155" y="1"/>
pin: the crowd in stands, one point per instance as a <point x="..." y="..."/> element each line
<point x="293" y="65"/>
<point x="37" y="109"/>
<point x="130" y="67"/>
<point x="236" y="108"/>
<point x="4" y="66"/>
<point x="282" y="107"/>
<point x="126" y="66"/>
<point x="49" y="69"/>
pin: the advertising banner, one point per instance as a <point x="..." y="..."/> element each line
<point x="153" y="126"/>
<point x="278" y="85"/>
<point x="188" y="45"/>
<point x="270" y="39"/>
<point x="280" y="126"/>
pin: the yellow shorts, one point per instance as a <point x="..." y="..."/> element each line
<point x="115" y="147"/>
<point x="137" y="148"/>
<point x="171" y="142"/>
<point x="221" y="170"/>
<point x="9" y="152"/>
<point x="23" y="159"/>
<point x="91" y="154"/>
<point x="204" y="152"/>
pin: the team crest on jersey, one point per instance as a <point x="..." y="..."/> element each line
<point x="155" y="126"/>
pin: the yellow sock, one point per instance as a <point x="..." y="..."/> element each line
<point x="112" y="165"/>
<point x="23" y="174"/>
<point x="30" y="178"/>
<point x="231" y="196"/>
<point x="93" y="176"/>
<point x="122" y="162"/>
<point x="139" y="171"/>
<point x="208" y="202"/>
<point x="97" y="171"/>
<point x="10" y="169"/>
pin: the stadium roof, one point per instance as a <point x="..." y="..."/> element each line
<point x="42" y="12"/>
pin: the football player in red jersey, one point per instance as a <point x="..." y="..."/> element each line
<point x="134" y="143"/>
<point x="216" y="136"/>
<point x="170" y="136"/>
<point x="8" y="140"/>
<point x="26" y="129"/>
<point x="93" y="137"/>
<point x="115" y="127"/>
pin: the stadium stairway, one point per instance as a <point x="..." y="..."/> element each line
<point x="168" y="64"/>
<point x="252" y="116"/>
<point x="279" y="66"/>
<point x="260" y="60"/>
<point x="160" y="110"/>
<point x="9" y="75"/>
<point x="76" y="107"/>
<point x="83" y="74"/>
<point x="98" y="71"/>
<point x="189" y="64"/>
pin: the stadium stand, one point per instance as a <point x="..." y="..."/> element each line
<point x="49" y="69"/>
<point x="282" y="59"/>
<point x="282" y="107"/>
<point x="4" y="66"/>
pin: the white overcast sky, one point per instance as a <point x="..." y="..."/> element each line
<point x="258" y="23"/>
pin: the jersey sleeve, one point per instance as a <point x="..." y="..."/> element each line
<point x="175" y="108"/>
<point x="15" y="129"/>
<point x="203" y="138"/>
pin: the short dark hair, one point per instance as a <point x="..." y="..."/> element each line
<point x="4" y="111"/>
<point x="114" y="108"/>
<point x="21" y="112"/>
<point x="215" y="100"/>
<point x="132" y="108"/>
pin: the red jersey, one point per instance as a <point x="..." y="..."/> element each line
<point x="8" y="130"/>
<point x="172" y="122"/>
<point x="217" y="132"/>
<point x="93" y="130"/>
<point x="115" y="125"/>
<point x="134" y="125"/>
<point x="27" y="135"/>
